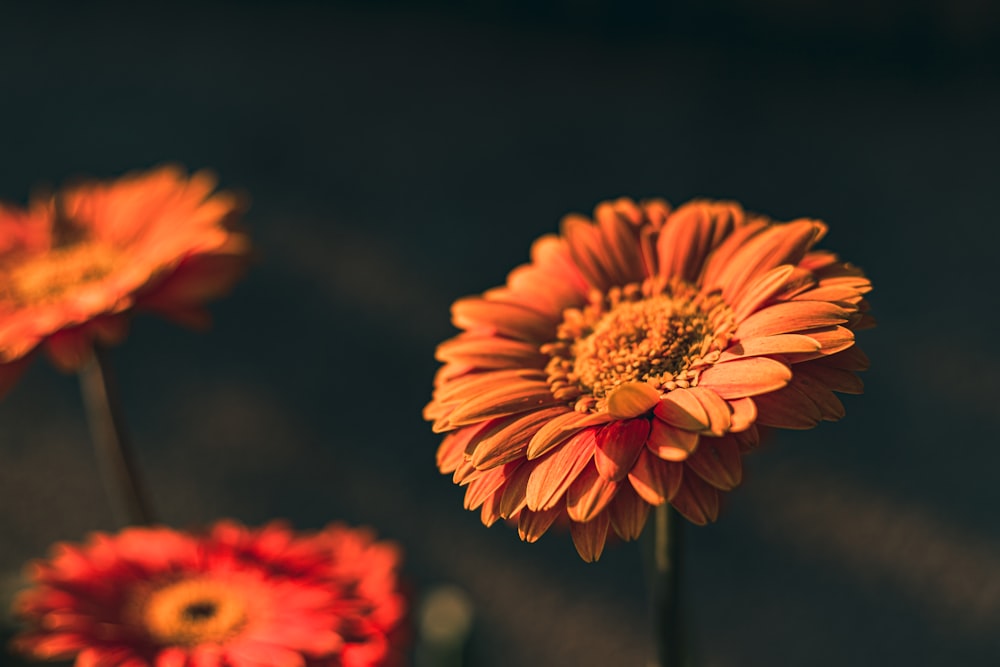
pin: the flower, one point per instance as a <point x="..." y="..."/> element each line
<point x="630" y="362"/>
<point x="232" y="597"/>
<point x="73" y="266"/>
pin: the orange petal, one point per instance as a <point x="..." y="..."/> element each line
<point x="507" y="319"/>
<point x="490" y="352"/>
<point x="829" y="405"/>
<point x="760" y="290"/>
<point x="451" y="452"/>
<point x="513" y="398"/>
<point x="778" y="244"/>
<point x="779" y="344"/>
<point x="691" y="233"/>
<point x="717" y="409"/>
<point x="680" y="408"/>
<point x="718" y="462"/>
<point x="618" y="446"/>
<point x="589" y="495"/>
<point x="632" y="399"/>
<point x="511" y="441"/>
<point x="589" y="537"/>
<point x="620" y="243"/>
<point x="586" y="247"/>
<point x="532" y="525"/>
<point x="744" y="414"/>
<point x="791" y="317"/>
<point x="836" y="379"/>
<point x="554" y="473"/>
<point x="721" y="258"/>
<point x="513" y="499"/>
<point x="477" y="383"/>
<point x="831" y="340"/>
<point x="670" y="443"/>
<point x="486" y="485"/>
<point x="560" y="428"/>
<point x="745" y="377"/>
<point x="654" y="480"/>
<point x="788" y="408"/>
<point x="697" y="500"/>
<point x="628" y="513"/>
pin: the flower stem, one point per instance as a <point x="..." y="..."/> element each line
<point x="107" y="430"/>
<point x="664" y="579"/>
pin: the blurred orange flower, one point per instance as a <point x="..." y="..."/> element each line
<point x="630" y="362"/>
<point x="73" y="266"/>
<point x="234" y="597"/>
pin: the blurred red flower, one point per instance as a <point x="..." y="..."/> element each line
<point x="233" y="597"/>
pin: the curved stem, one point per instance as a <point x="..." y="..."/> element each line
<point x="665" y="570"/>
<point x="107" y="430"/>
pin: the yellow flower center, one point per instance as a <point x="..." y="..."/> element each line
<point x="193" y="611"/>
<point x="46" y="277"/>
<point x="659" y="332"/>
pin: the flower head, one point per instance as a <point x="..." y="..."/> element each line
<point x="73" y="266"/>
<point x="630" y="362"/>
<point x="234" y="597"/>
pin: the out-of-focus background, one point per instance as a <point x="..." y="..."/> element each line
<point x="402" y="154"/>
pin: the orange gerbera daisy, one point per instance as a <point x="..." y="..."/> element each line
<point x="234" y="597"/>
<point x="629" y="362"/>
<point x="74" y="265"/>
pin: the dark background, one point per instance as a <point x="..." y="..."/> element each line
<point x="400" y="155"/>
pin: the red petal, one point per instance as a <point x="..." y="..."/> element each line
<point x="654" y="480"/>
<point x="618" y="446"/>
<point x="589" y="495"/>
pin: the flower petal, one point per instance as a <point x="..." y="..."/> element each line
<point x="512" y="398"/>
<point x="779" y="344"/>
<point x="697" y="500"/>
<point x="691" y="233"/>
<point x="744" y="414"/>
<point x="589" y="495"/>
<point x="680" y="408"/>
<point x="632" y="399"/>
<point x="532" y="525"/>
<point x="618" y="446"/>
<point x="669" y="442"/>
<point x="717" y="410"/>
<point x="514" y="498"/>
<point x="718" y="461"/>
<point x="746" y="377"/>
<point x="554" y="473"/>
<point x="791" y="317"/>
<point x="506" y="319"/>
<point x="655" y="481"/>
<point x="560" y="428"/>
<point x="589" y="538"/>
<point x="511" y="442"/>
<point x="628" y="513"/>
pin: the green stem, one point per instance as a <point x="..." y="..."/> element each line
<point x="665" y="571"/>
<point x="107" y="430"/>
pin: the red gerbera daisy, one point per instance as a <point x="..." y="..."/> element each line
<point x="234" y="597"/>
<point x="73" y="266"/>
<point x="629" y="362"/>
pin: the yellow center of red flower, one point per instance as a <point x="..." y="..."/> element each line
<point x="661" y="333"/>
<point x="45" y="277"/>
<point x="193" y="611"/>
